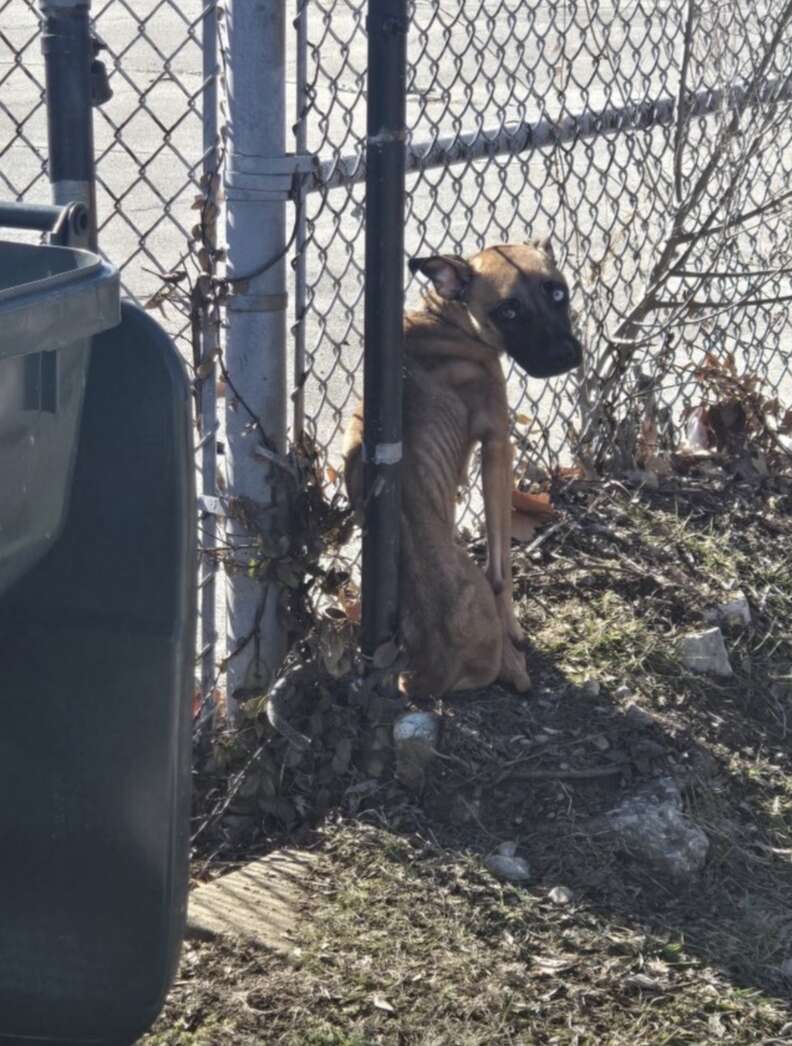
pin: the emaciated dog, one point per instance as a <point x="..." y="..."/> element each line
<point x="457" y="621"/>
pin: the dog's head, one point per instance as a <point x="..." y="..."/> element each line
<point x="517" y="302"/>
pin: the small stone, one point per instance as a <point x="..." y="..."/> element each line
<point x="705" y="652"/>
<point x="651" y="826"/>
<point x="622" y="692"/>
<point x="600" y="742"/>
<point x="735" y="612"/>
<point x="415" y="740"/>
<point x="513" y="869"/>
<point x="591" y="688"/>
<point x="785" y="969"/>
<point x="507" y="849"/>
<point x="638" y="716"/>
<point x="561" y="895"/>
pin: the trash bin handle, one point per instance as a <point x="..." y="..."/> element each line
<point x="65" y="223"/>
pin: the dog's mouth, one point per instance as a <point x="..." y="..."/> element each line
<point x="547" y="363"/>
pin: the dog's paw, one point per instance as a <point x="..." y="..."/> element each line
<point x="513" y="669"/>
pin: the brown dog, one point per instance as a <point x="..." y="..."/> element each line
<point x="457" y="622"/>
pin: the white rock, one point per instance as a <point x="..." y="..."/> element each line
<point x="507" y="849"/>
<point x="735" y="612"/>
<point x="651" y="826"/>
<point x="513" y="869"/>
<point x="415" y="737"/>
<point x="705" y="652"/>
<point x="561" y="895"/>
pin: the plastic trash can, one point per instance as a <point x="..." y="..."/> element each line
<point x="97" y="639"/>
<point x="52" y="301"/>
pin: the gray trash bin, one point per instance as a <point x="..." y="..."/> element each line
<point x="52" y="301"/>
<point x="97" y="632"/>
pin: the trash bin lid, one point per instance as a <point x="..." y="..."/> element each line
<point x="52" y="296"/>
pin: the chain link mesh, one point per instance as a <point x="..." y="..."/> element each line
<point x="651" y="140"/>
<point x="148" y="136"/>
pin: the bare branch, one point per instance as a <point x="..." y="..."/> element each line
<point x="682" y="109"/>
<point x="723" y="305"/>
<point x="729" y="274"/>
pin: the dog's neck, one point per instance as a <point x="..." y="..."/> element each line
<point x="441" y="323"/>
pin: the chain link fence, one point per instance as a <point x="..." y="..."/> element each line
<point x="651" y="140"/>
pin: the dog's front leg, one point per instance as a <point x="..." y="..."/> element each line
<point x="497" y="481"/>
<point x="496" y="470"/>
<point x="495" y="466"/>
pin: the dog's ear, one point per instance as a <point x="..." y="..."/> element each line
<point x="450" y="274"/>
<point x="546" y="245"/>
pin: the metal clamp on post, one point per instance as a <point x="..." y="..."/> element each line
<point x="101" y="91"/>
<point x="264" y="177"/>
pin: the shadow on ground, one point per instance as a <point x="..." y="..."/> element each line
<point x="412" y="940"/>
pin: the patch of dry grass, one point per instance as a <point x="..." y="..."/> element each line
<point x="412" y="942"/>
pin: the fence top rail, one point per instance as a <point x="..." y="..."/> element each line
<point x="525" y="136"/>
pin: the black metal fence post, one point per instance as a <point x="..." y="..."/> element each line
<point x="68" y="56"/>
<point x="382" y="380"/>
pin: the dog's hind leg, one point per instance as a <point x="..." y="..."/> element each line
<point x="353" y="459"/>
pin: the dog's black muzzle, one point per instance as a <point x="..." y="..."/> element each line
<point x="546" y="359"/>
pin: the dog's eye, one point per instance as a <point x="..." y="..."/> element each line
<point x="508" y="310"/>
<point x="556" y="292"/>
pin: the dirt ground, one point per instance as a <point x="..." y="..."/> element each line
<point x="408" y="939"/>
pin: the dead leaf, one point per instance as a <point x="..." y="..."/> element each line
<point x="349" y="599"/>
<point x="382" y="1004"/>
<point x="523" y="528"/>
<point x="537" y="506"/>
<point x="549" y="965"/>
<point x="643" y="982"/>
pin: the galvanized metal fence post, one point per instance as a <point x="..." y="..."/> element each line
<point x="68" y="53"/>
<point x="256" y="193"/>
<point x="208" y="423"/>
<point x="382" y="378"/>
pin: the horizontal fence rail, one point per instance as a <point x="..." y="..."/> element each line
<point x="518" y="138"/>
